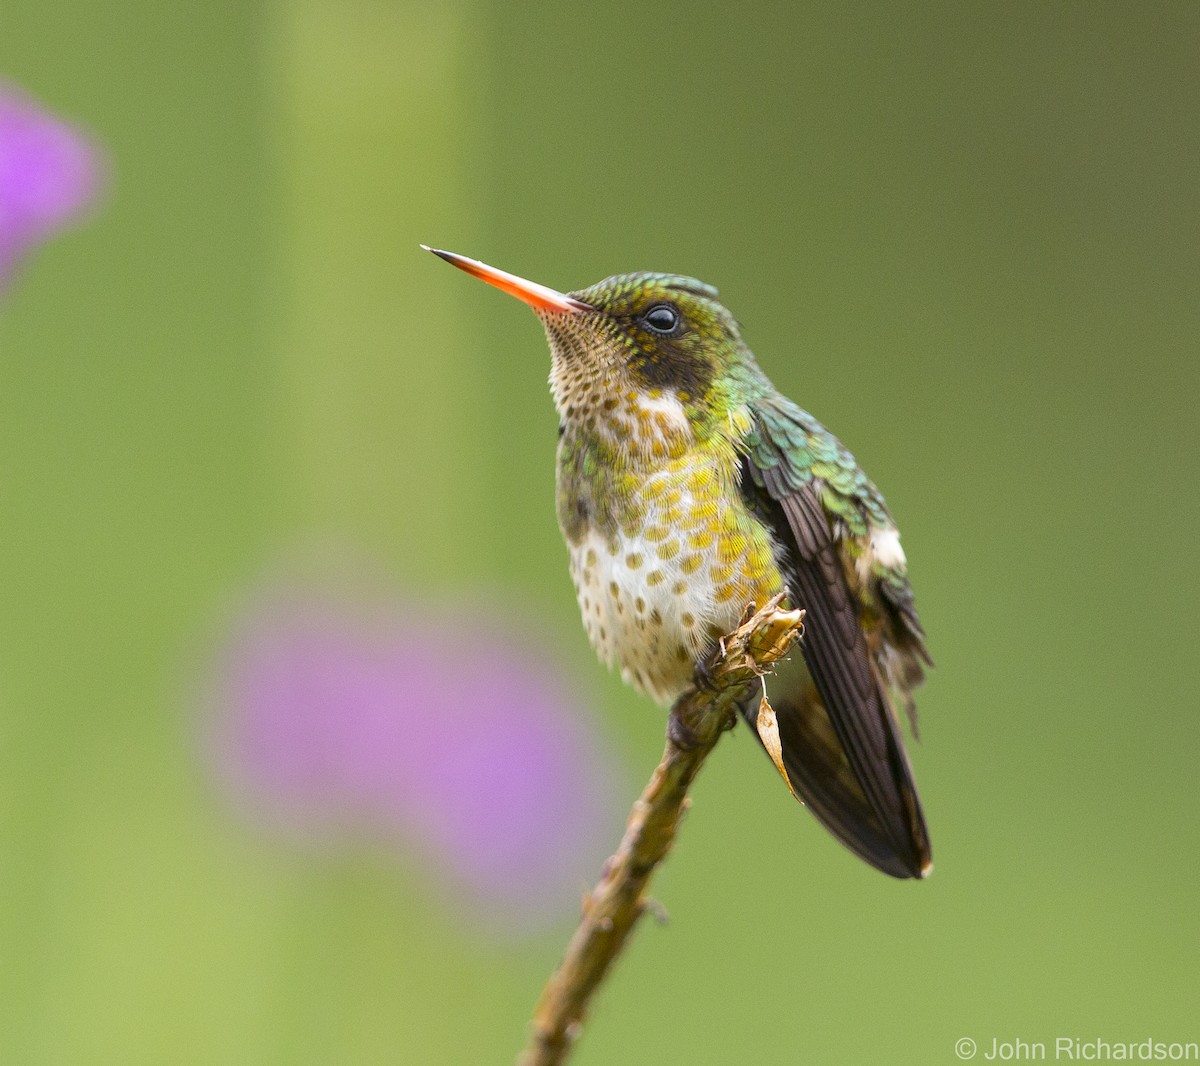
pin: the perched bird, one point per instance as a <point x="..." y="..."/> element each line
<point x="689" y="488"/>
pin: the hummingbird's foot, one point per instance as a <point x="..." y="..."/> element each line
<point x="685" y="738"/>
<point x="705" y="675"/>
<point x="681" y="735"/>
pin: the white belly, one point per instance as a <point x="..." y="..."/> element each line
<point x="640" y="614"/>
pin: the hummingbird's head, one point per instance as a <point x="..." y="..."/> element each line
<point x="637" y="355"/>
<point x="662" y="336"/>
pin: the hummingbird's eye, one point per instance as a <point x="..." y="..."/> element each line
<point x="662" y="318"/>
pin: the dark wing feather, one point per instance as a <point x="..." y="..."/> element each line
<point x="819" y="771"/>
<point x="841" y="744"/>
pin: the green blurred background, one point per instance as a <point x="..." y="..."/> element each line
<point x="964" y="235"/>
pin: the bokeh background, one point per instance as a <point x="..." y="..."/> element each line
<point x="251" y="438"/>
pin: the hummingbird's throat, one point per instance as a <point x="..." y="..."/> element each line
<point x="595" y="393"/>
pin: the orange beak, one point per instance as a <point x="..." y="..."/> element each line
<point x="539" y="297"/>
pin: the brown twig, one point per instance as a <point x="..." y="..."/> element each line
<point x="610" y="911"/>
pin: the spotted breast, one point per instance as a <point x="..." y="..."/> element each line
<point x="664" y="561"/>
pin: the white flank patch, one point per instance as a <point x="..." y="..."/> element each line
<point x="885" y="548"/>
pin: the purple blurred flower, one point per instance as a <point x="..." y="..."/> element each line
<point x="49" y="172"/>
<point x="439" y="736"/>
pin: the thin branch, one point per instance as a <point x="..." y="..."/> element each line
<point x="610" y="911"/>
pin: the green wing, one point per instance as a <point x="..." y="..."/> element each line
<point x="841" y="743"/>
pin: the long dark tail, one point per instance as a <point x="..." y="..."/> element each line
<point x="821" y="775"/>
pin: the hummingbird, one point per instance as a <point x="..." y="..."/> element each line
<point x="689" y="487"/>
